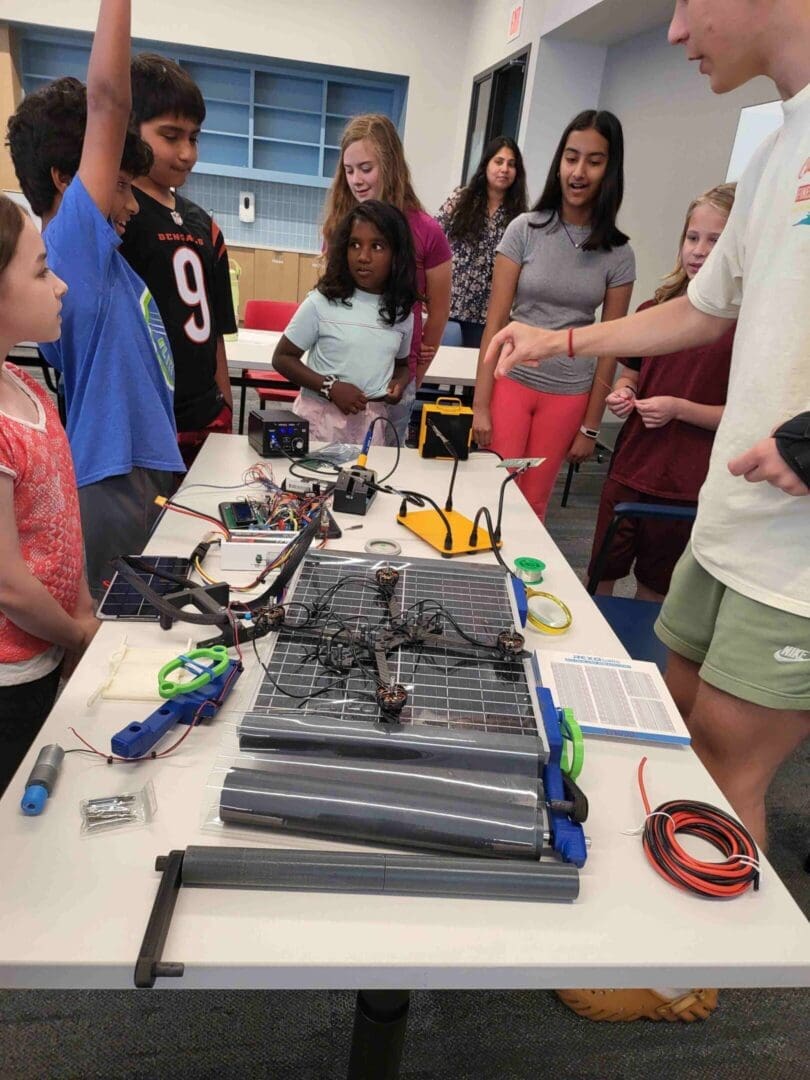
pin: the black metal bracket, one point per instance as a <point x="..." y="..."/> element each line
<point x="149" y="965"/>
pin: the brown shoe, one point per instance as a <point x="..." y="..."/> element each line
<point x="613" y="1005"/>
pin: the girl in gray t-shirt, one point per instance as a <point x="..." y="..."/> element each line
<point x="554" y="267"/>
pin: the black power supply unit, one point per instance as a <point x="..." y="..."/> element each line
<point x="278" y="433"/>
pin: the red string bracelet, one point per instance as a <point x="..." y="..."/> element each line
<point x="570" y="343"/>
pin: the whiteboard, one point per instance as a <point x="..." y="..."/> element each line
<point x="755" y="124"/>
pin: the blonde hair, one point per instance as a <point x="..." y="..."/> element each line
<point x="396" y="186"/>
<point x="674" y="284"/>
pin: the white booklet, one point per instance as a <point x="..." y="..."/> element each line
<point x="623" y="698"/>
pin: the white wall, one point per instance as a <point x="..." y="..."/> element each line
<point x="567" y="79"/>
<point x="563" y="77"/>
<point x="423" y="39"/>
<point x="678" y="140"/>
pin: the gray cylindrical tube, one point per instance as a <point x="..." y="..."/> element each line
<point x="412" y="811"/>
<point x="46" y="767"/>
<point x="259" y="869"/>
<point x="422" y="744"/>
<point x="415" y="875"/>
<point x="408" y="780"/>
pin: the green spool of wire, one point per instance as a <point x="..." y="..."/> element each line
<point x="530" y="571"/>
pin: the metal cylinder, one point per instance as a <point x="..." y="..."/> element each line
<point x="46" y="767"/>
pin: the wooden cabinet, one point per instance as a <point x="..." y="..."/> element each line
<point x="247" y="281"/>
<point x="309" y="270"/>
<point x="10" y="94"/>
<point x="276" y="275"/>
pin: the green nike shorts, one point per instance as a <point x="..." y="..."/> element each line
<point x="750" y="650"/>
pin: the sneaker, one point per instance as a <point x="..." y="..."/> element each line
<point x="615" y="1005"/>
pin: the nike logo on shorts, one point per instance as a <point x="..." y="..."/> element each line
<point x="790" y="654"/>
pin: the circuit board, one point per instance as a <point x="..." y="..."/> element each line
<point x="121" y="601"/>
<point x="251" y="516"/>
<point x="454" y="677"/>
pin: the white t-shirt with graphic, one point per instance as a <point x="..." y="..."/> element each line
<point x="754" y="538"/>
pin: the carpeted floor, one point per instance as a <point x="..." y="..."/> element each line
<point x="475" y="1035"/>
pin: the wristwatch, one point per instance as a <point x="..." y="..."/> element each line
<point x="326" y="386"/>
<point x="590" y="432"/>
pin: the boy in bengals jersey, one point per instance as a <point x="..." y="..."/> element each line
<point x="179" y="251"/>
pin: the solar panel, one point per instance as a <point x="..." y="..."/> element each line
<point x="446" y="685"/>
<point x="121" y="601"/>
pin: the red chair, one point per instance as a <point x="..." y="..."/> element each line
<point x="267" y="315"/>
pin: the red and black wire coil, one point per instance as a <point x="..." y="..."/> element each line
<point x="722" y="880"/>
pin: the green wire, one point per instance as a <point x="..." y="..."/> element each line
<point x="572" y="733"/>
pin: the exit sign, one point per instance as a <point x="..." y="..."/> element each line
<point x="515" y="18"/>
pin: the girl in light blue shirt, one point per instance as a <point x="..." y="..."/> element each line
<point x="356" y="326"/>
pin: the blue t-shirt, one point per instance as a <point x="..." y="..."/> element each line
<point x="113" y="354"/>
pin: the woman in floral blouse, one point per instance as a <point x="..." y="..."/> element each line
<point x="474" y="218"/>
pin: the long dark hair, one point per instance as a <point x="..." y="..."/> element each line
<point x="604" y="233"/>
<point x="470" y="211"/>
<point x="400" y="294"/>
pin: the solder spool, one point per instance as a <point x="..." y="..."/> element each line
<point x="529" y="570"/>
<point x="383" y="547"/>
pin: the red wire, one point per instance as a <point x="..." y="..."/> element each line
<point x="714" y="879"/>
<point x="202" y="517"/>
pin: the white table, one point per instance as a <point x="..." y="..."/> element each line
<point x="253" y="350"/>
<point x="73" y="910"/>
<point x="451" y="365"/>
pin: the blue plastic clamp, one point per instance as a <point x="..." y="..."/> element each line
<point x="568" y="837"/>
<point x="137" y="739"/>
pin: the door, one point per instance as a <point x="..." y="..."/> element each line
<point x="495" y="107"/>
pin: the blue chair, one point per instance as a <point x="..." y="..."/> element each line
<point x="452" y="334"/>
<point x="632" y="620"/>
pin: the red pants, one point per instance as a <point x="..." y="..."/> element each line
<point x="531" y="423"/>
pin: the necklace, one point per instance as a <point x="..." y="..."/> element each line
<point x="568" y="234"/>
<point x="178" y="220"/>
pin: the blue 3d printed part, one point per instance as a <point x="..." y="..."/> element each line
<point x="137" y="739"/>
<point x="567" y="835"/>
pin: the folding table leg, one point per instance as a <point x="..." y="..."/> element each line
<point x="380" y="1018"/>
<point x="572" y="468"/>
<point x="242" y="397"/>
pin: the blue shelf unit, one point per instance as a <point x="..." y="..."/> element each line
<point x="280" y="121"/>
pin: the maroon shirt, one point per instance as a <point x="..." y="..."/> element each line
<point x="671" y="462"/>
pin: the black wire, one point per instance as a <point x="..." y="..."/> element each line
<point x="288" y="693"/>
<point x="453" y="622"/>
<point x="714" y="826"/>
<point x="385" y="420"/>
<point x="482" y="511"/>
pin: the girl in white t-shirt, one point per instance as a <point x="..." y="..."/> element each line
<point x="356" y="325"/>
